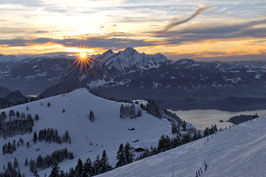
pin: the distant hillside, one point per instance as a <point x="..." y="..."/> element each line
<point x="71" y="112"/>
<point x="4" y="91"/>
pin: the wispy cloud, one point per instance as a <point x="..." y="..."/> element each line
<point x="176" y="22"/>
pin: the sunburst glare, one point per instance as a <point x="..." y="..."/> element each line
<point x="83" y="61"/>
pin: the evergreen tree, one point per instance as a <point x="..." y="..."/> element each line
<point x="11" y="113"/>
<point x="72" y="173"/>
<point x="120" y="156"/>
<point x="36" y="117"/>
<point x="35" y="137"/>
<point x="164" y="143"/>
<point x="23" y="115"/>
<point x="17" y="115"/>
<point x="206" y="132"/>
<point x="174" y="128"/>
<point x="139" y="114"/>
<point x="3" y="115"/>
<point x="39" y="162"/>
<point x="129" y="155"/>
<point x="122" y="110"/>
<point x="184" y="125"/>
<point x="26" y="162"/>
<point x="104" y="162"/>
<point x="186" y="138"/>
<point x="97" y="165"/>
<point x="32" y="166"/>
<point x="87" y="168"/>
<point x="28" y="145"/>
<point x="55" y="171"/>
<point x="79" y="168"/>
<point x="48" y="104"/>
<point x="92" y="118"/>
<point x="15" y="164"/>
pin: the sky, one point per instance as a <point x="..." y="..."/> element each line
<point x="197" y="29"/>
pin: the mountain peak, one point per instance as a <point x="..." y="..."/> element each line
<point x="131" y="59"/>
<point x="185" y="61"/>
<point x="109" y="52"/>
<point x="130" y="51"/>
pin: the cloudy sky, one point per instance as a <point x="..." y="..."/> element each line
<point x="198" y="29"/>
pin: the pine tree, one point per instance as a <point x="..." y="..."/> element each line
<point x="120" y="156"/>
<point x="71" y="155"/>
<point x="139" y="114"/>
<point x="79" y="168"/>
<point x="48" y="104"/>
<point x="35" y="137"/>
<point x="184" y="125"/>
<point x="32" y="166"/>
<point x="26" y="162"/>
<point x="55" y="171"/>
<point x="15" y="164"/>
<point x="164" y="143"/>
<point x="97" y="165"/>
<point x="132" y="111"/>
<point x="92" y="118"/>
<point x="11" y="113"/>
<point x="3" y="115"/>
<point x="87" y="168"/>
<point x="186" y="138"/>
<point x="36" y="117"/>
<point x="129" y="155"/>
<point x="104" y="162"/>
<point x="66" y="138"/>
<point x="206" y="132"/>
<point x="28" y="145"/>
<point x="122" y="110"/>
<point x="23" y="116"/>
<point x="174" y="128"/>
<point x="17" y="115"/>
<point x="39" y="162"/>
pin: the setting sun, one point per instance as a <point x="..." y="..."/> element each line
<point x="83" y="61"/>
<point x="83" y="55"/>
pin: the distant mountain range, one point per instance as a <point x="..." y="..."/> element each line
<point x="183" y="84"/>
<point x="12" y="98"/>
<point x="32" y="75"/>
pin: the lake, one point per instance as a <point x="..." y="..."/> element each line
<point x="205" y="118"/>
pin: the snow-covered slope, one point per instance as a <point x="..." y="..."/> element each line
<point x="239" y="151"/>
<point x="88" y="138"/>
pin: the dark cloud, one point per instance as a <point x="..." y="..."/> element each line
<point x="216" y="56"/>
<point x="92" y="42"/>
<point x="234" y="58"/>
<point x="41" y="32"/>
<point x="209" y="32"/>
